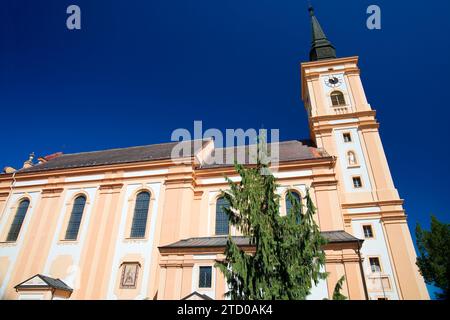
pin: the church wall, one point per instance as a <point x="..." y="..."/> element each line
<point x="92" y="264"/>
<point x="41" y="247"/>
<point x="383" y="180"/>
<point x="179" y="209"/>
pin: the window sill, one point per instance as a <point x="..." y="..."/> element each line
<point x="8" y="243"/>
<point x="136" y="239"/>
<point x="67" y="242"/>
<point x="376" y="275"/>
<point x="128" y="288"/>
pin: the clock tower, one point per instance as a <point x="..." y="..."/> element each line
<point x="343" y="123"/>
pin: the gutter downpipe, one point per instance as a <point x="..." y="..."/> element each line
<point x="362" y="271"/>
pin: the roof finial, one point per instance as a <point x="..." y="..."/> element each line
<point x="321" y="48"/>
<point x="29" y="162"/>
<point x="310" y="8"/>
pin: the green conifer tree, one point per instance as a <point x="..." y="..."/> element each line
<point x="287" y="258"/>
<point x="434" y="255"/>
<point x="337" y="295"/>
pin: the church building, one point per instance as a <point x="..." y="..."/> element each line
<point x="136" y="223"/>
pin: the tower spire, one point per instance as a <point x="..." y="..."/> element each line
<point x="321" y="47"/>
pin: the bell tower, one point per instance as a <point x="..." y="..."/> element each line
<point x="343" y="123"/>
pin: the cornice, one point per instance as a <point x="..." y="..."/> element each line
<point x="50" y="191"/>
<point x="338" y="259"/>
<point x="312" y="76"/>
<point x="329" y="62"/>
<point x="342" y="116"/>
<point x="352" y="71"/>
<point x="323" y="128"/>
<point x="324" y="183"/>
<point x="176" y="265"/>
<point x="394" y="218"/>
<point x="283" y="166"/>
<point x="166" y="252"/>
<point x="381" y="203"/>
<point x="111" y="186"/>
<point x="141" y="165"/>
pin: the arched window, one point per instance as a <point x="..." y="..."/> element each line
<point x="337" y="99"/>
<point x="289" y="204"/>
<point x="222" y="226"/>
<point x="351" y="158"/>
<point x="139" y="223"/>
<point x="75" y="218"/>
<point x="16" y="225"/>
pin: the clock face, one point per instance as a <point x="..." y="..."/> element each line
<point x="333" y="81"/>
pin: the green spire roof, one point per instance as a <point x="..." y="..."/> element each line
<point x="321" y="48"/>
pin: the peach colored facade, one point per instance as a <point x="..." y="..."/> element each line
<point x="352" y="189"/>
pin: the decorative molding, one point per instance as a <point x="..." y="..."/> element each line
<point x="351" y="115"/>
<point x="331" y="62"/>
<point x="145" y="173"/>
<point x="198" y="195"/>
<point x="111" y="186"/>
<point x="381" y="203"/>
<point x="176" y="265"/>
<point x="49" y="191"/>
<point x="394" y="219"/>
<point x="312" y="76"/>
<point x="352" y="71"/>
<point x="28" y="183"/>
<point x="325" y="183"/>
<point x="83" y="178"/>
<point x="100" y="169"/>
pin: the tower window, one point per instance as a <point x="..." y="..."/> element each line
<point x="139" y="223"/>
<point x="375" y="264"/>
<point x="347" y="137"/>
<point x="337" y="99"/>
<point x="290" y="205"/>
<point x="368" y="232"/>
<point x="16" y="225"/>
<point x="222" y="225"/>
<point x="357" y="183"/>
<point x="75" y="218"/>
<point x="204" y="279"/>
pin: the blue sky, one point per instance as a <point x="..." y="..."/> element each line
<point x="139" y="69"/>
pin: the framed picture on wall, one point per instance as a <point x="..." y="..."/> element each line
<point x="130" y="272"/>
